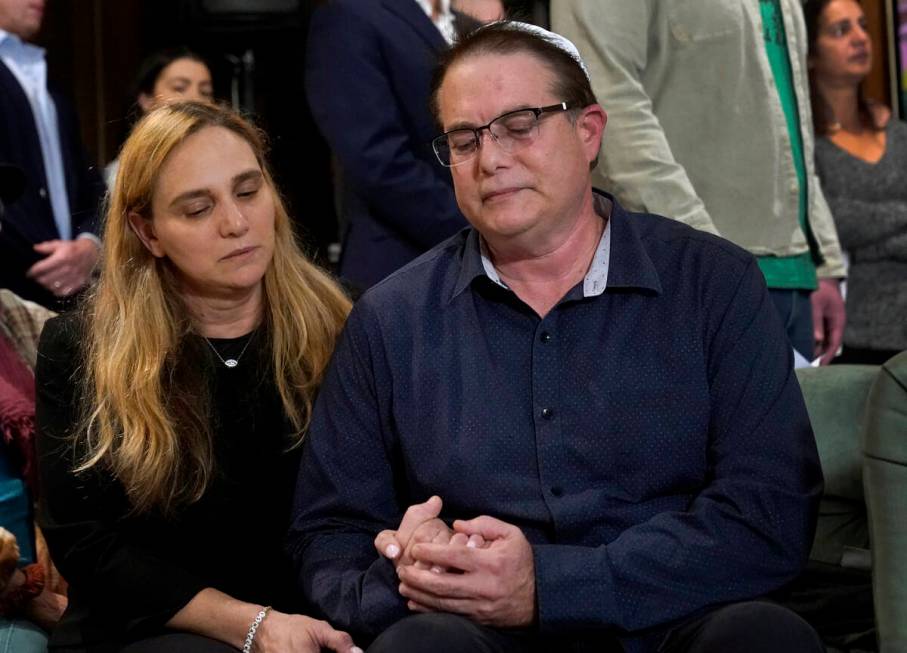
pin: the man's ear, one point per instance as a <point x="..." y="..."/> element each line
<point x="590" y="125"/>
<point x="144" y="229"/>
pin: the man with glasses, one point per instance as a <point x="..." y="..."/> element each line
<point x="563" y="429"/>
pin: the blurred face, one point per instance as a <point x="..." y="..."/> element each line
<point x="484" y="11"/>
<point x="21" y="17"/>
<point x="533" y="192"/>
<point x="212" y="215"/>
<point x="182" y="79"/>
<point x="843" y="51"/>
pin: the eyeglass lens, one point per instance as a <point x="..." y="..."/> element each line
<point x="510" y="131"/>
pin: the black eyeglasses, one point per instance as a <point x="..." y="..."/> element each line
<point x="513" y="131"/>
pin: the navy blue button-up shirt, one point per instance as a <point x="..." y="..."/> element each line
<point x="650" y="441"/>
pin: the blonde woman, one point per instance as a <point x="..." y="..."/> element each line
<point x="171" y="406"/>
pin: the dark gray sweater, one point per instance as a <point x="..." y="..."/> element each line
<point x="869" y="203"/>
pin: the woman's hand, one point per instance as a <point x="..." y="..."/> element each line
<point x="294" y="633"/>
<point x="46" y="609"/>
<point x="219" y="616"/>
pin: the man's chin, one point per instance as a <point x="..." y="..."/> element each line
<point x="510" y="225"/>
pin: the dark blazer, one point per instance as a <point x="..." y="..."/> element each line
<point x="368" y="77"/>
<point x="29" y="220"/>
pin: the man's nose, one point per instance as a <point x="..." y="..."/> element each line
<point x="490" y="152"/>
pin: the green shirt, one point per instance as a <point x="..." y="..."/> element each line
<point x="798" y="271"/>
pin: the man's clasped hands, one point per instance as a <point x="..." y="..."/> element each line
<point x="482" y="568"/>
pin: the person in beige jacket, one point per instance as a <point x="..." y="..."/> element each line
<point x="709" y="123"/>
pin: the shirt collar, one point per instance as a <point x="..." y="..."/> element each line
<point x="596" y="279"/>
<point x="18" y="50"/>
<point x="620" y="260"/>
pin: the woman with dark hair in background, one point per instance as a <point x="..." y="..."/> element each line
<point x="171" y="406"/>
<point x="861" y="158"/>
<point x="166" y="76"/>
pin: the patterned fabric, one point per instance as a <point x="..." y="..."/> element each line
<point x="20" y="325"/>
<point x="21" y="322"/>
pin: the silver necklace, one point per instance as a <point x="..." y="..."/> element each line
<point x="230" y="362"/>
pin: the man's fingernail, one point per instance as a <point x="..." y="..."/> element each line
<point x="356" y="649"/>
<point x="471" y="543"/>
<point x="435" y="569"/>
<point x="392" y="551"/>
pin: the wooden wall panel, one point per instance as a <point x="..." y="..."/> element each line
<point x="878" y="85"/>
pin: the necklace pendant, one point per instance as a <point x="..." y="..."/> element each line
<point x="231" y="362"/>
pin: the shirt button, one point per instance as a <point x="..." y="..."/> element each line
<point x="42" y="192"/>
<point x="557" y="491"/>
<point x="547" y="413"/>
<point x="545" y="337"/>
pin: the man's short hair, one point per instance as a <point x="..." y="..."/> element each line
<point x="571" y="84"/>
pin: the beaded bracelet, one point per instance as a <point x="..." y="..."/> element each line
<point x="250" y="636"/>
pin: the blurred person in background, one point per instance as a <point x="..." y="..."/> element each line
<point x="166" y="76"/>
<point x="48" y="244"/>
<point x="861" y="157"/>
<point x="484" y="11"/>
<point x="368" y="73"/>
<point x="708" y="106"/>
<point x="171" y="406"/>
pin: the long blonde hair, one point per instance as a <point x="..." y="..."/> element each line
<point x="142" y="422"/>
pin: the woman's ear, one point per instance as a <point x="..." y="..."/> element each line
<point x="146" y="102"/>
<point x="144" y="229"/>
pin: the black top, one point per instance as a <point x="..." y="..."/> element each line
<point x="129" y="574"/>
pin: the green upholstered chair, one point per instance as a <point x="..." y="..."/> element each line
<point x="885" y="483"/>
<point x="836" y="400"/>
<point x="859" y="416"/>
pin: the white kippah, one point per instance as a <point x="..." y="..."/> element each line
<point x="554" y="39"/>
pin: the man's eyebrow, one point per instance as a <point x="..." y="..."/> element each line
<point x="204" y="192"/>
<point x="463" y="124"/>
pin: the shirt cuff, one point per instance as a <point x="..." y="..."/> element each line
<point x="574" y="588"/>
<point x="383" y="604"/>
<point x="832" y="270"/>
<point x="90" y="236"/>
